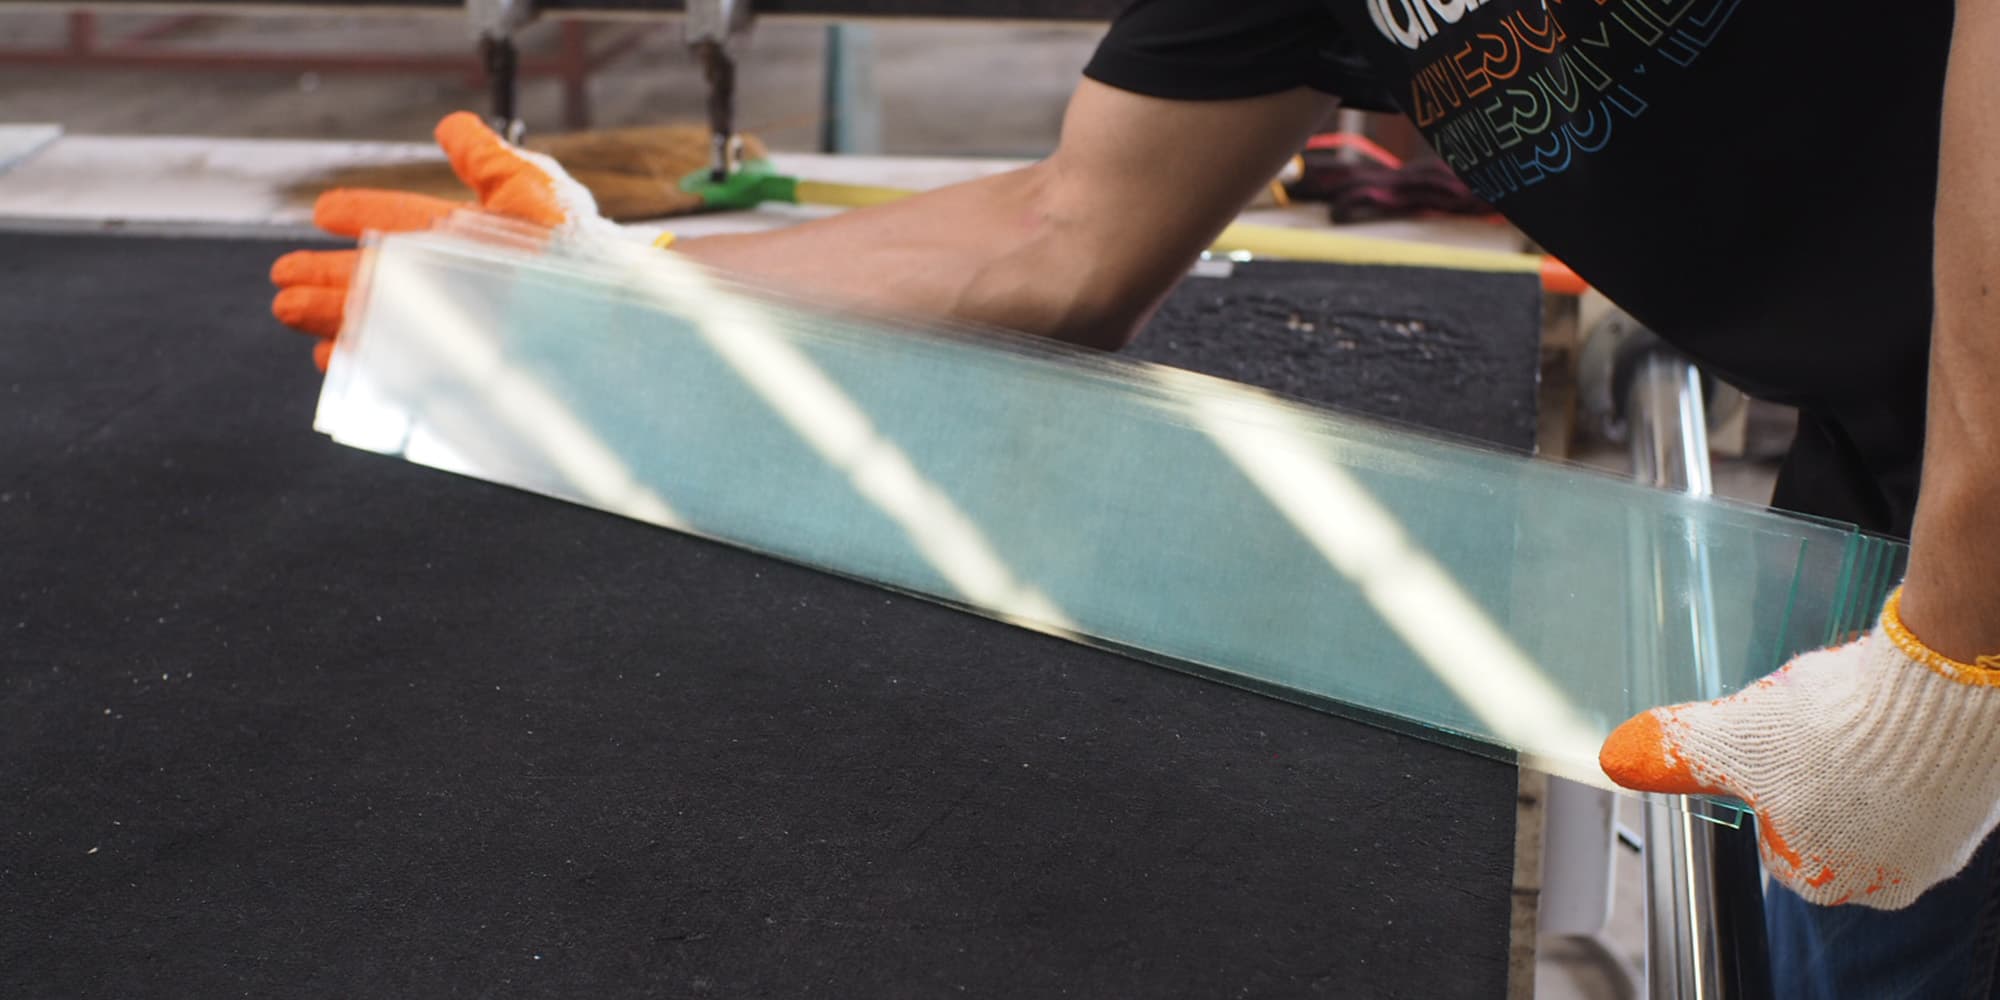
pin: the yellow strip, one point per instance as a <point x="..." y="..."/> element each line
<point x="847" y="195"/>
<point x="1261" y="241"/>
<point x="663" y="241"/>
<point x="1339" y="248"/>
<point x="1986" y="673"/>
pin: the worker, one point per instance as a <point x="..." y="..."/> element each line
<point x="1805" y="200"/>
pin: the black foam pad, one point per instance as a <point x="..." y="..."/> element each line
<point x="279" y="718"/>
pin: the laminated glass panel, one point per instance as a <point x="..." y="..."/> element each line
<point x="1511" y="605"/>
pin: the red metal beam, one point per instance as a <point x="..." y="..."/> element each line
<point x="151" y="58"/>
<point x="572" y="63"/>
<point x="573" y="60"/>
<point x="82" y="31"/>
<point x="233" y="60"/>
<point x="161" y="27"/>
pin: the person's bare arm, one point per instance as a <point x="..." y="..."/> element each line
<point x="1952" y="597"/>
<point x="1080" y="246"/>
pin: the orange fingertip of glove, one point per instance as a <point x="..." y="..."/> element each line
<point x="481" y="158"/>
<point x="327" y="268"/>
<point x="322" y="354"/>
<point x="1558" y="278"/>
<point x="1637" y="756"/>
<point x="466" y="142"/>
<point x="311" y="309"/>
<point x="351" y="212"/>
<point x="506" y="182"/>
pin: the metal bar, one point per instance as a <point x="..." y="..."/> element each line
<point x="852" y="119"/>
<point x="574" y="71"/>
<point x="1704" y="926"/>
<point x="501" y="63"/>
<point x="1669" y="450"/>
<point x="162" y="28"/>
<point x="82" y="32"/>
<point x="608" y="54"/>
<point x="1682" y="946"/>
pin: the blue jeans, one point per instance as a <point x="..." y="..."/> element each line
<point x="1946" y="945"/>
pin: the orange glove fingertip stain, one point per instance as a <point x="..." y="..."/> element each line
<point x="328" y="268"/>
<point x="351" y="212"/>
<point x="505" y="181"/>
<point x="311" y="309"/>
<point x="1638" y="755"/>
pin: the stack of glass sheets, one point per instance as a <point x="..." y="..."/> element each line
<point x="1511" y="605"/>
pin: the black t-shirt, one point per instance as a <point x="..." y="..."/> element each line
<point x="1753" y="180"/>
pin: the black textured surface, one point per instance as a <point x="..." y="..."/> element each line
<point x="278" y="718"/>
<point x="1450" y="351"/>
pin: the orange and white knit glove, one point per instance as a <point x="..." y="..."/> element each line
<point x="1873" y="767"/>
<point x="509" y="181"/>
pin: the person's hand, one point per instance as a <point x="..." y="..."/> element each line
<point x="509" y="181"/>
<point x="1874" y="767"/>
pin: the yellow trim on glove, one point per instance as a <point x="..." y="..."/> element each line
<point x="663" y="241"/>
<point x="1984" y="673"/>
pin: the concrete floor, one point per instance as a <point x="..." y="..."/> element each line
<point x="946" y="90"/>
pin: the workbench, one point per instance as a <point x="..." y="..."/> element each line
<point x="174" y="183"/>
<point x="282" y="718"/>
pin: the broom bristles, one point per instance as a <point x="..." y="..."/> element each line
<point x="634" y="173"/>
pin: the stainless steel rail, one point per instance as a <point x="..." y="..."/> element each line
<point x="1668" y="424"/>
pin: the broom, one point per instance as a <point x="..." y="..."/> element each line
<point x="634" y="173"/>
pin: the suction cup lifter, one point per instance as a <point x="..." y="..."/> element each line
<point x="495" y="23"/>
<point x="712" y="28"/>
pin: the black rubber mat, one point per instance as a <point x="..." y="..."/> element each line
<point x="279" y="718"/>
<point x="1450" y="351"/>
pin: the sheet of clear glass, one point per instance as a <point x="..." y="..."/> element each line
<point x="1511" y="605"/>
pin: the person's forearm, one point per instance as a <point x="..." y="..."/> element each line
<point x="1952" y="597"/>
<point x="1079" y="247"/>
<point x="998" y="251"/>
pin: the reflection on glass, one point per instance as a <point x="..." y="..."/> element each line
<point x="1510" y="605"/>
